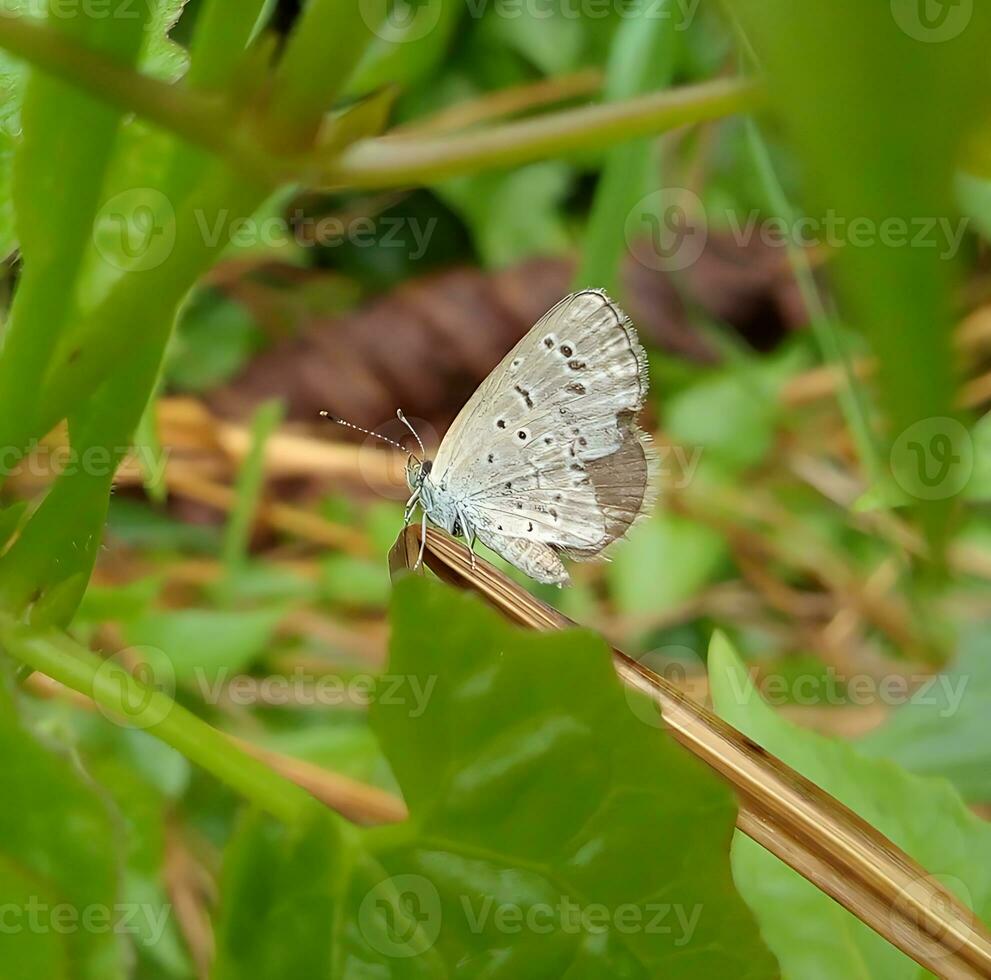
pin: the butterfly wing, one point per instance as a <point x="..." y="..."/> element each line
<point x="547" y="450"/>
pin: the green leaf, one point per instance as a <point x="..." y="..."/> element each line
<point x="58" y="867"/>
<point x="666" y="560"/>
<point x="515" y="214"/>
<point x="409" y="54"/>
<point x="281" y="898"/>
<point x="531" y="782"/>
<point x="942" y="729"/>
<point x="214" y="339"/>
<point x="248" y="489"/>
<point x="978" y="486"/>
<point x="812" y="935"/>
<point x="206" y="644"/>
<point x="730" y="416"/>
<point x="30" y="953"/>
<point x="59" y="166"/>
<point x="354" y="581"/>
<point x="552" y="833"/>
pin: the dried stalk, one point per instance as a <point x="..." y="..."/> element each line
<point x="794" y="819"/>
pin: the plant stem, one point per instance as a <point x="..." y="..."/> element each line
<point x="379" y="162"/>
<point x="56" y="655"/>
<point x="199" y="119"/>
<point x="831" y="345"/>
<point x="384" y="162"/>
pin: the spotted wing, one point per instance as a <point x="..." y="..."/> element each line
<point x="548" y="449"/>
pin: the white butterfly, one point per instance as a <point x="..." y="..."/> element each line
<point x="546" y="458"/>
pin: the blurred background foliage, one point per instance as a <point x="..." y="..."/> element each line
<point x="244" y="538"/>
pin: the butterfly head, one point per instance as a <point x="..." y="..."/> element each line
<point x="417" y="471"/>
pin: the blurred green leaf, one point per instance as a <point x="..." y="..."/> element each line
<point x="215" y="338"/>
<point x="942" y="728"/>
<point x="730" y="417"/>
<point x="59" y="165"/>
<point x="666" y="560"/>
<point x="204" y="644"/>
<point x="550" y="37"/>
<point x="979" y="485"/>
<point x="282" y="894"/>
<point x="405" y="56"/>
<point x="354" y="581"/>
<point x="910" y="89"/>
<point x="10" y="519"/>
<point x="135" y="523"/>
<point x="30" y="953"/>
<point x="811" y="934"/>
<point x="515" y="214"/>
<point x="248" y="487"/>
<point x="58" y="867"/>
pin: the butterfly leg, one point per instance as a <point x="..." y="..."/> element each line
<point x="423" y="541"/>
<point x="411" y="505"/>
<point x="470" y="535"/>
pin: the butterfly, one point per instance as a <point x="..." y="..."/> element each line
<point x="546" y="459"/>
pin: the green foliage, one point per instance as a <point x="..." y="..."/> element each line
<point x="202" y="643"/>
<point x="810" y="934"/>
<point x="858" y="113"/>
<point x="942" y="730"/>
<point x="54" y="870"/>
<point x="632" y="829"/>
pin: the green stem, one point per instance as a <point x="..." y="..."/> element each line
<point x="390" y="161"/>
<point x="121" y="695"/>
<point x="380" y="162"/>
<point x="309" y="76"/>
<point x="197" y="118"/>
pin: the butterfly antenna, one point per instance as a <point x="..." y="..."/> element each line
<point x="402" y="418"/>
<point x="368" y="432"/>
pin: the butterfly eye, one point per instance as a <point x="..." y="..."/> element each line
<point x="523" y="435"/>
